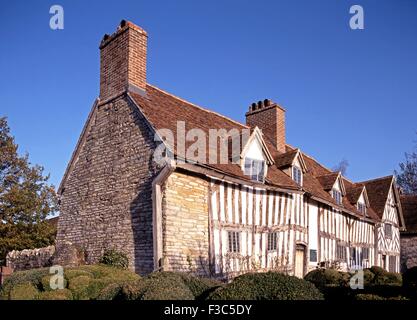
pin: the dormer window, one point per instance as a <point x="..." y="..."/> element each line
<point x="361" y="208"/>
<point x="255" y="169"/>
<point x="337" y="195"/>
<point x="297" y="175"/>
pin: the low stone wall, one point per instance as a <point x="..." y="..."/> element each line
<point x="30" y="258"/>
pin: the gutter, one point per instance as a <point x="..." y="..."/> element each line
<point x="157" y="184"/>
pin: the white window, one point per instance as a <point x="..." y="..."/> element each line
<point x="337" y="195"/>
<point x="272" y="241"/>
<point x="362" y="208"/>
<point x="297" y="175"/>
<point x="255" y="169"/>
<point x="234" y="241"/>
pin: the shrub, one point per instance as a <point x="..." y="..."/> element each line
<point x="367" y="296"/>
<point x="410" y="279"/>
<point x="79" y="286"/>
<point x="322" y="278"/>
<point x="115" y="258"/>
<point x="33" y="277"/>
<point x="383" y="277"/>
<point x="165" y="286"/>
<point x="61" y="294"/>
<point x="110" y="292"/>
<point x="23" y="291"/>
<point x="267" y="286"/>
<point x="46" y="283"/>
<point x="200" y="287"/>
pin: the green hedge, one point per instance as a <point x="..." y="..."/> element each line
<point x="267" y="286"/>
<point x="335" y="285"/>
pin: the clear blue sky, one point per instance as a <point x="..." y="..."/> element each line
<point x="348" y="93"/>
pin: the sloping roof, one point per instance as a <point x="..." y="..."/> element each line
<point x="283" y="160"/>
<point x="409" y="206"/>
<point x="378" y="190"/>
<point x="328" y="180"/>
<point x="163" y="110"/>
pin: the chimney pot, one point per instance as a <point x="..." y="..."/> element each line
<point x="270" y="118"/>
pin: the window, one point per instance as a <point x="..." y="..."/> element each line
<point x="362" y="208"/>
<point x="255" y="169"/>
<point x="353" y="257"/>
<point x="388" y="231"/>
<point x="313" y="255"/>
<point x="337" y="195"/>
<point x="272" y="241"/>
<point x="365" y="253"/>
<point x="341" y="252"/>
<point x="392" y="260"/>
<point x="297" y="175"/>
<point x="234" y="241"/>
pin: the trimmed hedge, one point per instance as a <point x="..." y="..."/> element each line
<point x="84" y="283"/>
<point x="335" y="285"/>
<point x="267" y="286"/>
<point x="115" y="258"/>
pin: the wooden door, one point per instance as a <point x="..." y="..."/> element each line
<point x="299" y="262"/>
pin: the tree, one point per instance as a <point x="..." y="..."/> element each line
<point x="26" y="199"/>
<point x="407" y="176"/>
<point x="342" y="167"/>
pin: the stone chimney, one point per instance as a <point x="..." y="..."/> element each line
<point x="123" y="60"/>
<point x="270" y="118"/>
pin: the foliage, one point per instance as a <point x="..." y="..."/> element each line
<point x="83" y="283"/>
<point x="407" y="176"/>
<point x="115" y="258"/>
<point x="26" y="199"/>
<point x="368" y="296"/>
<point x="322" y="278"/>
<point x="24" y="291"/>
<point x="341" y="167"/>
<point x="267" y="286"/>
<point x="61" y="294"/>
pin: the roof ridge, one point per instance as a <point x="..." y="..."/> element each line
<point x="197" y="106"/>
<point x="376" y="179"/>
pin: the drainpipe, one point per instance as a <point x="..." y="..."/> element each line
<point x="157" y="213"/>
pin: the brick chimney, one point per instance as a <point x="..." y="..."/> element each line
<point x="123" y="60"/>
<point x="270" y="118"/>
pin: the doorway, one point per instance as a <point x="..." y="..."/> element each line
<point x="299" y="261"/>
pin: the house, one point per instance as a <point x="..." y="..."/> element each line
<point x="409" y="235"/>
<point x="148" y="178"/>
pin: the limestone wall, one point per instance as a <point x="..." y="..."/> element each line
<point x="185" y="224"/>
<point x="30" y="258"/>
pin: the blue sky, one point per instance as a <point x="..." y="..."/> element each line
<point x="348" y="93"/>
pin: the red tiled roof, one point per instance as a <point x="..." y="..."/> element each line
<point x="164" y="110"/>
<point x="378" y="190"/>
<point x="409" y="206"/>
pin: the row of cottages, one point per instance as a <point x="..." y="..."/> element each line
<point x="268" y="207"/>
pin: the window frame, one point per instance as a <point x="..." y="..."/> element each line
<point x="272" y="241"/>
<point x="297" y="172"/>
<point x="388" y="226"/>
<point x="361" y="207"/>
<point x="249" y="169"/>
<point x="233" y="241"/>
<point x="339" y="198"/>
<point x="341" y="252"/>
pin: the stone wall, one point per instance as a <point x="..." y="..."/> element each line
<point x="106" y="200"/>
<point x="408" y="251"/>
<point x="185" y="224"/>
<point x="30" y="258"/>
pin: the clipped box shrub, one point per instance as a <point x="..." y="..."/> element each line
<point x="61" y="294"/>
<point x="23" y="291"/>
<point x="323" y="278"/>
<point x="115" y="258"/>
<point x="33" y="277"/>
<point x="267" y="286"/>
